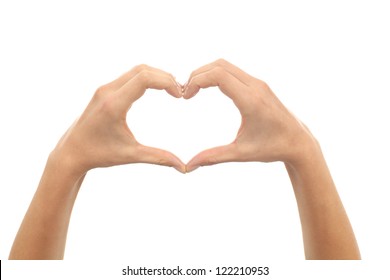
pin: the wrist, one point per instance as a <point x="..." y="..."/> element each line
<point x="59" y="185"/>
<point x="308" y="163"/>
<point x="61" y="163"/>
<point x="305" y="149"/>
<point x="308" y="170"/>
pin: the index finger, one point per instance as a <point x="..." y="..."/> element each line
<point x="124" y="78"/>
<point x="232" y="69"/>
<point x="136" y="87"/>
<point x="218" y="76"/>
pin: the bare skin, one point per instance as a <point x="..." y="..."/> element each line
<point x="99" y="138"/>
<point x="269" y="132"/>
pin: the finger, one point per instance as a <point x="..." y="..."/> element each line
<point x="137" y="86"/>
<point x="213" y="156"/>
<point x="151" y="79"/>
<point x="232" y="69"/>
<point x="123" y="79"/>
<point x="152" y="155"/>
<point x="227" y="83"/>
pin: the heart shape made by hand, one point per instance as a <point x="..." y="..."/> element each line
<point x="267" y="131"/>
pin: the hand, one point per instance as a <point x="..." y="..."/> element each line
<point x="268" y="132"/>
<point x="101" y="137"/>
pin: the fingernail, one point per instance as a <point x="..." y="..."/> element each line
<point x="180" y="169"/>
<point x="185" y="92"/>
<point x="182" y="88"/>
<point x="179" y="166"/>
<point x="179" y="92"/>
<point x="179" y="89"/>
<point x="188" y="170"/>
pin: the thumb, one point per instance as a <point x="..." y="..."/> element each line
<point x="213" y="156"/>
<point x="161" y="157"/>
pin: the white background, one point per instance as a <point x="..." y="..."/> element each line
<point x="329" y="63"/>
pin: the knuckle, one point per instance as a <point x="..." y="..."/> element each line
<point x="102" y="91"/>
<point x="143" y="76"/>
<point x="141" y="67"/>
<point x="210" y="161"/>
<point x="221" y="62"/>
<point x="162" y="161"/>
<point x="261" y="85"/>
<point x="219" y="72"/>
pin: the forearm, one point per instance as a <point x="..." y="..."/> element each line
<point x="327" y="232"/>
<point x="42" y="234"/>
